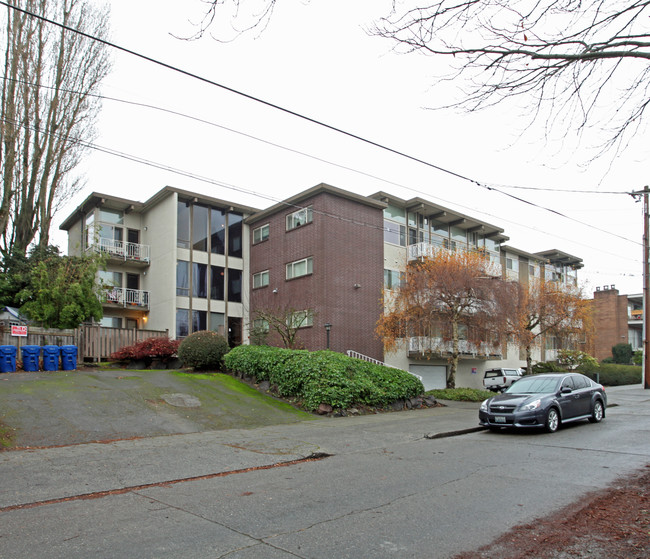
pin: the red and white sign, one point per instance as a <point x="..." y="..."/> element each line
<point x="18" y="330"/>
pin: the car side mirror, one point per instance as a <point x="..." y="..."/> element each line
<point x="566" y="390"/>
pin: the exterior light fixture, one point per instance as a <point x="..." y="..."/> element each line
<point x="328" y="327"/>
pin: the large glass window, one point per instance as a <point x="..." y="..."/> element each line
<point x="182" y="278"/>
<point x="394" y="233"/>
<point x="217" y="323"/>
<point x="183" y="224"/>
<point x="300" y="268"/>
<point x="299" y="218"/>
<point x="392" y="279"/>
<point x="395" y="214"/>
<point x="217" y="231"/>
<point x="235" y="234"/>
<point x="111" y="216"/>
<point x="182" y="323"/>
<point x="110" y="279"/>
<point x="199" y="280"/>
<point x="261" y="279"/>
<point x="200" y="228"/>
<point x="216" y="283"/>
<point x="199" y="321"/>
<point x="234" y="285"/>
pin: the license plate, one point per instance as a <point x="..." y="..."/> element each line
<point x="499" y="419"/>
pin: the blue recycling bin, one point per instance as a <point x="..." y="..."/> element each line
<point x="68" y="357"/>
<point x="31" y="356"/>
<point x="51" y="355"/>
<point x="7" y="358"/>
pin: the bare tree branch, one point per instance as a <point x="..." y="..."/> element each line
<point x="47" y="112"/>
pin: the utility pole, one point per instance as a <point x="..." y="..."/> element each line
<point x="646" y="283"/>
<point x="646" y="289"/>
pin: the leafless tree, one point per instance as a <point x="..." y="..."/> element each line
<point x="282" y="322"/>
<point x="47" y="112"/>
<point x="584" y="60"/>
<point x="580" y="64"/>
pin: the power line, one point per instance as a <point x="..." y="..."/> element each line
<point x="309" y="119"/>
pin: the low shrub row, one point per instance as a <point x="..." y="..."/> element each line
<point x="611" y="374"/>
<point x="324" y="377"/>
<point x="161" y="349"/>
<point x="608" y="374"/>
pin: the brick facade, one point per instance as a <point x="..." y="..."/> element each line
<point x="610" y="320"/>
<point x="345" y="240"/>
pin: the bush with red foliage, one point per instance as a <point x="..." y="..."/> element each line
<point x="161" y="349"/>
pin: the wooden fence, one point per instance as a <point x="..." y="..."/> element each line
<point x="94" y="343"/>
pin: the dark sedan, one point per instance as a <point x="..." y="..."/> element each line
<point x="546" y="401"/>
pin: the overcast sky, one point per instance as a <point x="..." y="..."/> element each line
<point x="316" y="59"/>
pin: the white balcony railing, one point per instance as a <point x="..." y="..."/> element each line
<point x="429" y="250"/>
<point x="123" y="250"/>
<point x="422" y="344"/>
<point x="125" y="297"/>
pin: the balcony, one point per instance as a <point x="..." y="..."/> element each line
<point x="492" y="265"/>
<point x="127" y="298"/>
<point x="469" y="350"/>
<point x="122" y="250"/>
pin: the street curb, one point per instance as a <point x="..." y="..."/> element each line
<point x="455" y="433"/>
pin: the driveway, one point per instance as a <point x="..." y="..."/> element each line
<point x="69" y="407"/>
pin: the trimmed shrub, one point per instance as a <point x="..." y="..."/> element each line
<point x="147" y="350"/>
<point x="203" y="350"/>
<point x="324" y="377"/>
<point x="622" y="354"/>
<point x="611" y="374"/>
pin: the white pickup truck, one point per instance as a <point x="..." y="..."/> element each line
<point x="499" y="379"/>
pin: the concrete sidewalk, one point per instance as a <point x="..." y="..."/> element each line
<point x="36" y="475"/>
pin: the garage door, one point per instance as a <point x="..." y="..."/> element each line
<point x="433" y="376"/>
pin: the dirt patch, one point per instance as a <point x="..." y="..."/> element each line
<point x="610" y="524"/>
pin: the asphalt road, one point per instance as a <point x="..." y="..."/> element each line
<point x="385" y="488"/>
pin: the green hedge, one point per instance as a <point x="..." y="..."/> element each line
<point x="611" y="374"/>
<point x="324" y="377"/>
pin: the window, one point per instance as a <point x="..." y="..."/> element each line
<point x="261" y="234"/>
<point x="199" y="280"/>
<point x="234" y="285"/>
<point x="199" y="321"/>
<point x="183" y="225"/>
<point x="200" y="228"/>
<point x="235" y="234"/>
<point x="182" y="278"/>
<point x="394" y="233"/>
<point x="110" y="279"/>
<point x="182" y="323"/>
<point x="301" y="319"/>
<point x="300" y="268"/>
<point x="111" y="322"/>
<point x="217" y="231"/>
<point x="392" y="279"/>
<point x="261" y="325"/>
<point x="395" y="213"/>
<point x="216" y="283"/>
<point x="111" y="216"/>
<point x="261" y="279"/>
<point x="301" y="217"/>
<point x="217" y="322"/>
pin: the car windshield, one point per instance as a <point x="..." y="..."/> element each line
<point x="532" y="385"/>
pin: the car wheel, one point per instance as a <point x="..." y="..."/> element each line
<point x="552" y="420"/>
<point x="597" y="413"/>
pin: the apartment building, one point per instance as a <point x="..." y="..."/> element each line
<point x="618" y="319"/>
<point x="176" y="262"/>
<point x="186" y="262"/>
